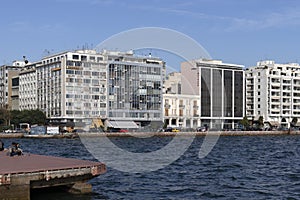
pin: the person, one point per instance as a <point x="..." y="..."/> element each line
<point x="15" y="149"/>
<point x="1" y="146"/>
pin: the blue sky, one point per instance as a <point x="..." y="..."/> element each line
<point x="235" y="31"/>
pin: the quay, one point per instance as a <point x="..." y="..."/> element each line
<point x="20" y="174"/>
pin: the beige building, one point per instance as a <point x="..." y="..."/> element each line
<point x="181" y="110"/>
<point x="7" y="74"/>
<point x="172" y="83"/>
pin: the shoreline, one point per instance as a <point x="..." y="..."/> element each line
<point x="150" y="134"/>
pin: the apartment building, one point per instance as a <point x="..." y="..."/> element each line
<point x="273" y="92"/>
<point x="82" y="85"/>
<point x="181" y="110"/>
<point x="7" y="73"/>
<point x="172" y="83"/>
<point x="220" y="89"/>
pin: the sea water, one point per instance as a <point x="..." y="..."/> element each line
<point x="238" y="167"/>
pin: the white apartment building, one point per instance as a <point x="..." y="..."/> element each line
<point x="28" y="87"/>
<point x="82" y="85"/>
<point x="220" y="88"/>
<point x="273" y="92"/>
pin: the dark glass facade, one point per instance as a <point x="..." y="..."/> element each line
<point x="205" y="92"/>
<point x="217" y="92"/>
<point x="238" y="91"/>
<point x="227" y="93"/>
<point x="225" y="87"/>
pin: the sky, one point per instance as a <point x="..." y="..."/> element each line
<point x="234" y="31"/>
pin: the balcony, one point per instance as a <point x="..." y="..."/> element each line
<point x="167" y="106"/>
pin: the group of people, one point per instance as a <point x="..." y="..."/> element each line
<point x="13" y="150"/>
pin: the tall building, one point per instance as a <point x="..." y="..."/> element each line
<point x="220" y="88"/>
<point x="7" y="72"/>
<point x="82" y="85"/>
<point x="28" y="87"/>
<point x="273" y="92"/>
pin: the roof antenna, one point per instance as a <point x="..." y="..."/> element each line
<point x="26" y="61"/>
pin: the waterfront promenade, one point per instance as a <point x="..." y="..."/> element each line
<point x="147" y="134"/>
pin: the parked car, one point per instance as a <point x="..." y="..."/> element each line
<point x="201" y="129"/>
<point x="175" y="130"/>
<point x="171" y="129"/>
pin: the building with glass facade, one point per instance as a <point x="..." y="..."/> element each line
<point x="220" y="88"/>
<point x="82" y="85"/>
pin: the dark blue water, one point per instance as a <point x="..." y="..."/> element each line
<point x="241" y="167"/>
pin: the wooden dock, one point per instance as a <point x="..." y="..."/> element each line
<point x="20" y="174"/>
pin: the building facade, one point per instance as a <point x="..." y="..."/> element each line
<point x="82" y="85"/>
<point x="220" y="88"/>
<point x="172" y="83"/>
<point x="273" y="92"/>
<point x="181" y="110"/>
<point x="7" y="73"/>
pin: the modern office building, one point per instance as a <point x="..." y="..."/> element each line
<point x="83" y="85"/>
<point x="273" y="92"/>
<point x="220" y="88"/>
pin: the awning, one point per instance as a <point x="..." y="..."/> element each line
<point x="121" y="124"/>
<point x="96" y="123"/>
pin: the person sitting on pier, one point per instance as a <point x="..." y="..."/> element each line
<point x="1" y="146"/>
<point x="15" y="149"/>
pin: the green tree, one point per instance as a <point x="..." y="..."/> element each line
<point x="4" y="117"/>
<point x="28" y="116"/>
<point x="261" y="121"/>
<point x="245" y="122"/>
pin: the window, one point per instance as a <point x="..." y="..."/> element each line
<point x="258" y="99"/>
<point x="75" y="57"/>
<point x="83" y="58"/>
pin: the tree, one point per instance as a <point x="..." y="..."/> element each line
<point x="245" y="122"/>
<point x="28" y="116"/>
<point x="261" y="121"/>
<point x="4" y="117"/>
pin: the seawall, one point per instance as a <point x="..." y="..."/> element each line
<point x="149" y="134"/>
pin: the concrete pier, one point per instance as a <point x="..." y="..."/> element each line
<point x="20" y="174"/>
